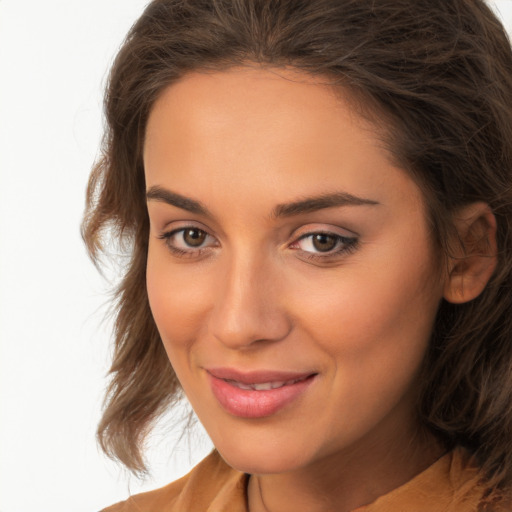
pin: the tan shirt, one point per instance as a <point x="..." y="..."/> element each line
<point x="450" y="485"/>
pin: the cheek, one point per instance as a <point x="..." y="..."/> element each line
<point x="374" y="330"/>
<point x="374" y="317"/>
<point x="178" y="299"/>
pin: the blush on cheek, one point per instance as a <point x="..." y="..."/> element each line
<point x="178" y="306"/>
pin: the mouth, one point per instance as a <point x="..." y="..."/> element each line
<point x="265" y="386"/>
<point x="257" y="394"/>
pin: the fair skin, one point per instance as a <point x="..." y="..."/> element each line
<point x="342" y="291"/>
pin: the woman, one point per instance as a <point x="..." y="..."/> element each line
<point x="316" y="197"/>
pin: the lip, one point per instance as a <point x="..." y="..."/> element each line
<point x="252" y="403"/>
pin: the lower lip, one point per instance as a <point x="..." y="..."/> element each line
<point x="250" y="403"/>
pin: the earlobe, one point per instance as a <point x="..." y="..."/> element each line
<point x="473" y="256"/>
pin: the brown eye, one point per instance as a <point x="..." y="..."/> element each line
<point x="194" y="237"/>
<point x="324" y="242"/>
<point x="324" y="245"/>
<point x="189" y="242"/>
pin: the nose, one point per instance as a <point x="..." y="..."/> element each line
<point x="249" y="309"/>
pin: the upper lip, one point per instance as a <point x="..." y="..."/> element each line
<point x="257" y="376"/>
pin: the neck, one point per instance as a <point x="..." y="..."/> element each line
<point x="346" y="480"/>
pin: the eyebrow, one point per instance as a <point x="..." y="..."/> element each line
<point x="306" y="205"/>
<point x="313" y="204"/>
<point x="172" y="198"/>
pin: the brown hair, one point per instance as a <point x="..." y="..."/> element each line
<point x="439" y="74"/>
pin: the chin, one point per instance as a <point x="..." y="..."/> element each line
<point x="262" y="460"/>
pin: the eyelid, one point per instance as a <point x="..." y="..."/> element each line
<point x="176" y="225"/>
<point x="311" y="229"/>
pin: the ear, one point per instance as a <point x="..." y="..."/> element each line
<point x="473" y="255"/>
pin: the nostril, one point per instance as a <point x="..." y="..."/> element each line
<point x="249" y="329"/>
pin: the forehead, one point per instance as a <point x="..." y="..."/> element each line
<point x="261" y="91"/>
<point x="254" y="127"/>
<point x="274" y="84"/>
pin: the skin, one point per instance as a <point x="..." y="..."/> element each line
<point x="258" y="294"/>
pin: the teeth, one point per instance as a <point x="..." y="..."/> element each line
<point x="264" y="386"/>
<point x="240" y="385"/>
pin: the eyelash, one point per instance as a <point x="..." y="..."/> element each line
<point x="347" y="244"/>
<point x="183" y="253"/>
<point x="343" y="245"/>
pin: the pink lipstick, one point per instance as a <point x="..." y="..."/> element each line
<point x="257" y="394"/>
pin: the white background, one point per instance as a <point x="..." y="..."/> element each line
<point x="54" y="55"/>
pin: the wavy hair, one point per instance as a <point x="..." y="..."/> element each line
<point x="437" y="75"/>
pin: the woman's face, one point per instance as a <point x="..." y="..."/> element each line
<point x="290" y="271"/>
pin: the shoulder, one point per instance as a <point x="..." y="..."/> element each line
<point x="211" y="486"/>
<point x="452" y="484"/>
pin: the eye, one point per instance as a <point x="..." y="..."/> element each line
<point x="188" y="241"/>
<point x="324" y="244"/>
<point x="193" y="237"/>
<point x="321" y="242"/>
